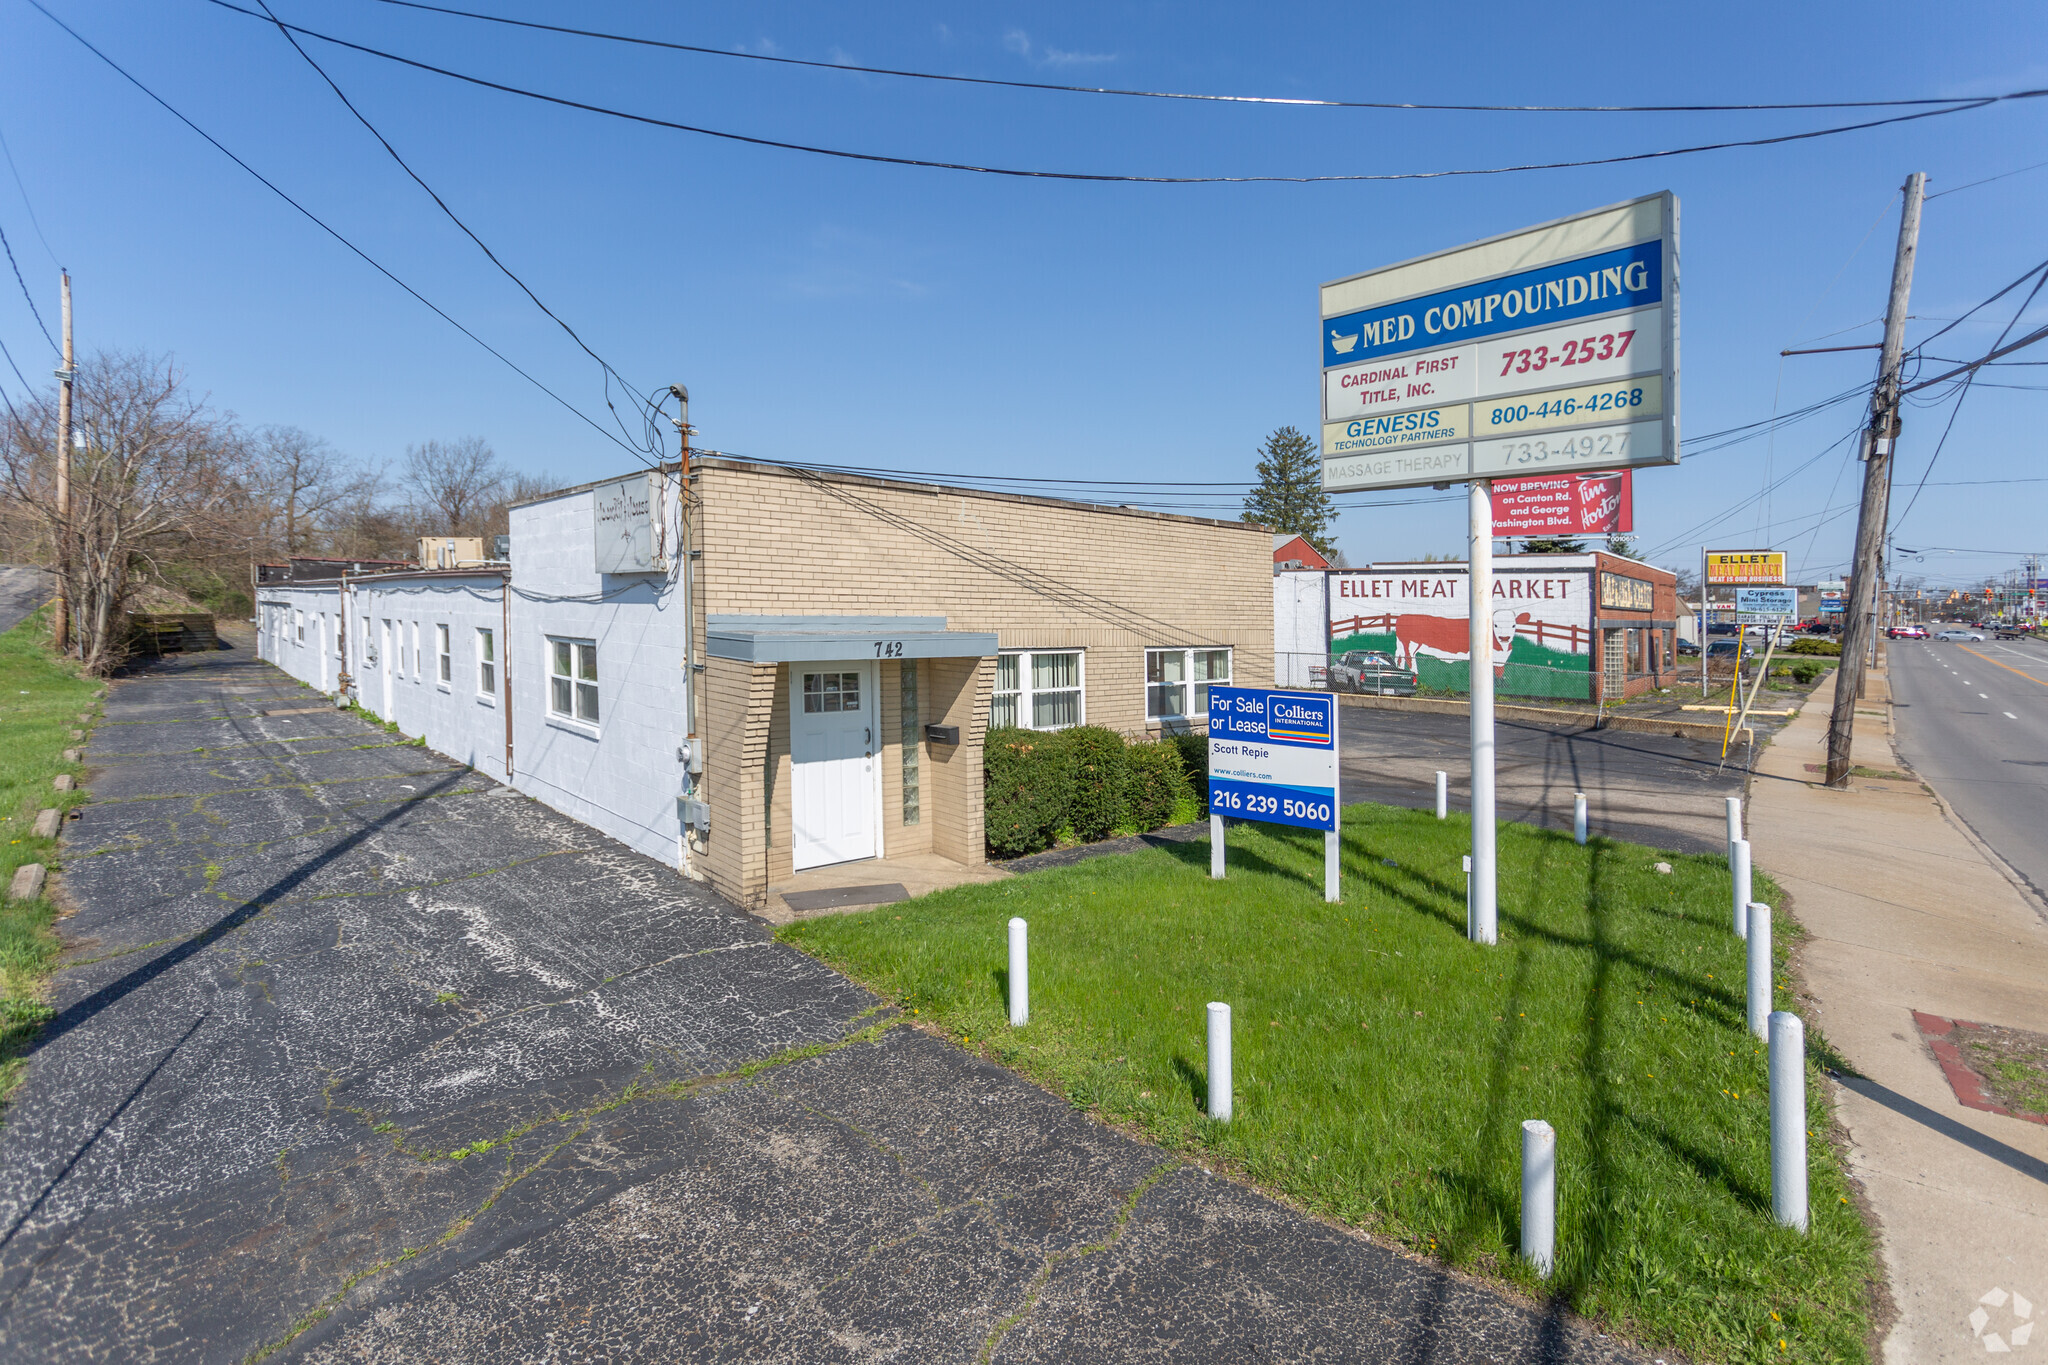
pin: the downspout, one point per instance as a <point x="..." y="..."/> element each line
<point x="692" y="749"/>
<point x="342" y="681"/>
<point x="505" y="663"/>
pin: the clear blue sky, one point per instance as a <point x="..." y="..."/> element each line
<point x="894" y="317"/>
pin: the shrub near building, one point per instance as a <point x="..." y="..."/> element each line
<point x="1080" y="785"/>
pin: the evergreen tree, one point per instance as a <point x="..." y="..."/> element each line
<point x="1289" y="497"/>
<point x="1554" y="545"/>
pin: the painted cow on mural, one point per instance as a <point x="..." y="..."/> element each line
<point x="1451" y="636"/>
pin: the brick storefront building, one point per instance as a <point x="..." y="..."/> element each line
<point x="851" y="639"/>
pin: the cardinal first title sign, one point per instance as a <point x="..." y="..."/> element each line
<point x="1550" y="350"/>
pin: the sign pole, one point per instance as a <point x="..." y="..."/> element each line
<point x="1333" y="838"/>
<point x="1701" y="623"/>
<point x="1480" y="587"/>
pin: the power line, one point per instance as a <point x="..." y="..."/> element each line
<point x="320" y="223"/>
<point x="1989" y="178"/>
<point x="1161" y="94"/>
<point x="649" y="120"/>
<point x="1964" y="392"/>
<point x="26" y="387"/>
<point x="24" y="292"/>
<point x="385" y="143"/>
<point x="33" y="221"/>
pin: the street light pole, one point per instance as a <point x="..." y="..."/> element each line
<point x="1859" y="629"/>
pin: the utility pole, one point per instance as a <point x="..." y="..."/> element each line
<point x="1859" y="631"/>
<point x="60" y="623"/>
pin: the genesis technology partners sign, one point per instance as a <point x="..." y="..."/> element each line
<point x="1552" y="350"/>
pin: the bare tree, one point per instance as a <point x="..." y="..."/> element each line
<point x="303" y="484"/>
<point x="455" y="484"/>
<point x="155" y="473"/>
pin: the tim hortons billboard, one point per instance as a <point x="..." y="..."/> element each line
<point x="1565" y="505"/>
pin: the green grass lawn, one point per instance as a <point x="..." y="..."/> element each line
<point x="1384" y="1063"/>
<point x="41" y="698"/>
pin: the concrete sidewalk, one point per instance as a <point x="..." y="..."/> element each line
<point x="1904" y="910"/>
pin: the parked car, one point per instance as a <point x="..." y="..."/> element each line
<point x="1363" y="670"/>
<point x="1688" y="647"/>
<point x="1957" y="635"/>
<point x="1728" y="649"/>
<point x="1723" y="628"/>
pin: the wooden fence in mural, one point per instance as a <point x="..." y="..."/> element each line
<point x="1576" y="639"/>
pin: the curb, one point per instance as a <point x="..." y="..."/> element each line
<point x="1549" y="715"/>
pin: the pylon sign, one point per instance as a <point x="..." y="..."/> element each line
<point x="1553" y="350"/>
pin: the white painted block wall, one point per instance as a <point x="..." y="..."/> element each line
<point x="621" y="776"/>
<point x="456" y="717"/>
<point x="1301" y="626"/>
<point x="313" y="660"/>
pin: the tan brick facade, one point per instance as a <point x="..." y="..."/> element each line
<point x="1038" y="573"/>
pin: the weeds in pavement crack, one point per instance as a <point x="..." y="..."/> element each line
<point x="1059" y="1258"/>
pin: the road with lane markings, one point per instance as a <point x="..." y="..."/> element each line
<point x="1973" y="721"/>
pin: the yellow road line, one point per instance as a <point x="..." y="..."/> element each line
<point x="1995" y="664"/>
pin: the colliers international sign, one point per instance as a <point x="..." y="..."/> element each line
<point x="1551" y="350"/>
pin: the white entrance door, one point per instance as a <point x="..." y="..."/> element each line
<point x="834" y="735"/>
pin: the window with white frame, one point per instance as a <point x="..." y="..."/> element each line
<point x="486" y="661"/>
<point x="302" y="627"/>
<point x="444" y="658"/>
<point x="572" y="679"/>
<point x="418" y="668"/>
<point x="831" y="692"/>
<point x="1177" y="681"/>
<point x="1039" y="689"/>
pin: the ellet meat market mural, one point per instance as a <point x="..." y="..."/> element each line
<point x="1542" y="640"/>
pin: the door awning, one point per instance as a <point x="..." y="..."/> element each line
<point x="806" y="639"/>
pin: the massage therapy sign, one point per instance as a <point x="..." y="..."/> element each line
<point x="1273" y="756"/>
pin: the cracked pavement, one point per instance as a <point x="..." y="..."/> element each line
<point x="360" y="1056"/>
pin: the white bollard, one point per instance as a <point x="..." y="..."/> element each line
<point x="1734" y="820"/>
<point x="1219" y="1062"/>
<point x="1216" y="847"/>
<point x="1579" y="816"/>
<point x="1738" y="868"/>
<point x="1468" y="896"/>
<point x="1333" y="890"/>
<point x="1539" y="1195"/>
<point x="1020" y="976"/>
<point x="1759" y="968"/>
<point x="1788" y="1120"/>
<point x="1443" y="795"/>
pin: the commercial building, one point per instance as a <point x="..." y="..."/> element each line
<point x="1582" y="627"/>
<point x="748" y="670"/>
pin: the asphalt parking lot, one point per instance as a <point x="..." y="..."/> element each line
<point x="1650" y="789"/>
<point x="359" y="1056"/>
